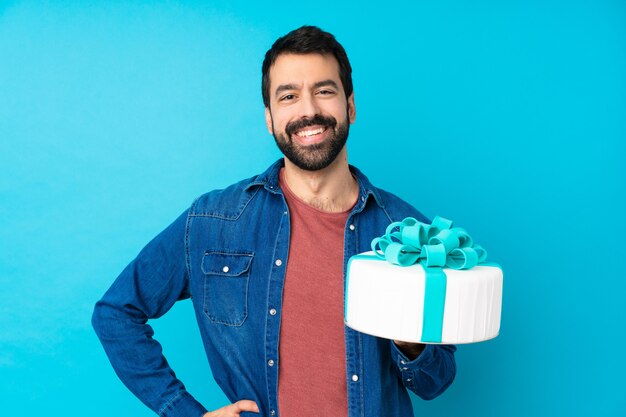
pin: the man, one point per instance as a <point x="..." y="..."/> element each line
<point x="264" y="261"/>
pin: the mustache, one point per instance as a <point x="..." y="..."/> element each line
<point x="318" y="119"/>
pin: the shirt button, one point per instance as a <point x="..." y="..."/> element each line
<point x="285" y="213"/>
<point x="402" y="362"/>
<point x="409" y="380"/>
<point x="362" y="198"/>
<point x="273" y="311"/>
<point x="352" y="227"/>
<point x="270" y="362"/>
<point x="272" y="412"/>
<point x="405" y="369"/>
<point x="355" y="378"/>
<point x="278" y="262"/>
<point x="225" y="269"/>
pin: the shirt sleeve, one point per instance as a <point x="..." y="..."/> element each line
<point x="428" y="375"/>
<point x="147" y="288"/>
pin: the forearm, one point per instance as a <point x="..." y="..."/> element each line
<point x="139" y="363"/>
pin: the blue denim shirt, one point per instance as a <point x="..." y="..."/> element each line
<point x="229" y="252"/>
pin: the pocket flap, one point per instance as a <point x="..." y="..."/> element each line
<point x="227" y="264"/>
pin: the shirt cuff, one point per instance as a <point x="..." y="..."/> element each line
<point x="182" y="405"/>
<point x="402" y="361"/>
<point x="409" y="368"/>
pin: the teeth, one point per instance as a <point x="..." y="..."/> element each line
<point x="310" y="132"/>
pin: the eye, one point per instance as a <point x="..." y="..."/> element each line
<point x="325" y="92"/>
<point x="288" y="97"/>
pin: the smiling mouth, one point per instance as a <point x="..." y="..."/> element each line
<point x="305" y="133"/>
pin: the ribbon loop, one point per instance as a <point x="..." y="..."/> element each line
<point x="462" y="258"/>
<point x="415" y="235"/>
<point x="482" y="253"/>
<point x="434" y="255"/>
<point x="434" y="245"/>
<point x="465" y="239"/>
<point x="447" y="238"/>
<point x="441" y="223"/>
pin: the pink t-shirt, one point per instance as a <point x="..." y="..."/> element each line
<point x="312" y="352"/>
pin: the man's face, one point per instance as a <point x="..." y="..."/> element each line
<point x="309" y="115"/>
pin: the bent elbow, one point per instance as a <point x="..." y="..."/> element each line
<point x="104" y="321"/>
<point x="98" y="319"/>
<point x="428" y="396"/>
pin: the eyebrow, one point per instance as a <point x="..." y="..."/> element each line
<point x="326" y="83"/>
<point x="287" y="87"/>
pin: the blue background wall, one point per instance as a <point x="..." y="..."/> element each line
<point x="508" y="118"/>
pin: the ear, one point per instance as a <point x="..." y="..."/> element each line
<point x="268" y="120"/>
<point x="351" y="108"/>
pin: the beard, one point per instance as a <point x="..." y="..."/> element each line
<point x="316" y="156"/>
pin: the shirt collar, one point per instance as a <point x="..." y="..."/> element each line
<point x="269" y="181"/>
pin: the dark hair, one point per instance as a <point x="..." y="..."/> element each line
<point x="307" y="40"/>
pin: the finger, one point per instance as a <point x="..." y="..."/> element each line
<point x="246" y="405"/>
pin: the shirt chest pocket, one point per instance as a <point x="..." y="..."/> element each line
<point x="226" y="278"/>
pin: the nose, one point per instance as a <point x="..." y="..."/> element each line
<point x="308" y="106"/>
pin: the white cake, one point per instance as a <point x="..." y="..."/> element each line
<point x="387" y="300"/>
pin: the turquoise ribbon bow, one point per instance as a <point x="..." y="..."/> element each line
<point x="433" y="246"/>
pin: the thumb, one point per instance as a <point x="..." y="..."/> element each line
<point x="246" y="405"/>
